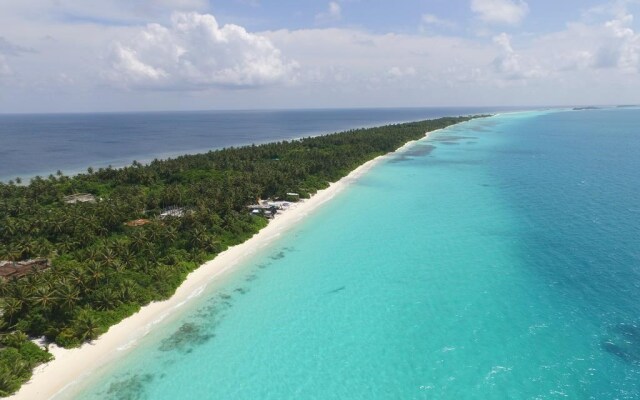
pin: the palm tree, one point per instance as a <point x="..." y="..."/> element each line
<point x="138" y="240"/>
<point x="105" y="298"/>
<point x="127" y="258"/>
<point x="68" y="294"/>
<point x="25" y="248"/>
<point x="33" y="281"/>
<point x="57" y="224"/>
<point x="153" y="233"/>
<point x="42" y="247"/>
<point x="110" y="259"/>
<point x="21" y="291"/>
<point x="92" y="253"/>
<point x="14" y="252"/>
<point x="11" y="308"/>
<point x="66" y="244"/>
<point x="9" y="226"/>
<point x="94" y="273"/>
<point x="197" y="238"/>
<point x="127" y="290"/>
<point x="86" y="325"/>
<point x="14" y="339"/>
<point x="44" y="297"/>
<point x="170" y="235"/>
<point x="77" y="279"/>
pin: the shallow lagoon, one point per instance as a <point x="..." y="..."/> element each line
<point x="498" y="259"/>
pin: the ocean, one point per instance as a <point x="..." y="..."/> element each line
<point x="41" y="145"/>
<point x="497" y="259"/>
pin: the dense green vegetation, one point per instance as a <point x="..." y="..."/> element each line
<point x="103" y="270"/>
<point x="17" y="359"/>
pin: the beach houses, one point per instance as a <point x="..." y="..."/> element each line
<point x="268" y="208"/>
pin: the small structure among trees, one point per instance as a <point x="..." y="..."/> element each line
<point x="137" y="222"/>
<point x="174" y="211"/>
<point x="291" y="196"/>
<point x="17" y="269"/>
<point x="268" y="208"/>
<point x="80" y="198"/>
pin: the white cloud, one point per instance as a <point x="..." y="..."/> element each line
<point x="594" y="60"/>
<point x="575" y="60"/>
<point x="5" y="70"/>
<point x="621" y="46"/>
<point x="611" y="45"/>
<point x="10" y="49"/>
<point x="132" y="70"/>
<point x="401" y="72"/>
<point x="504" y="41"/>
<point x="510" y="65"/>
<point x="615" y="8"/>
<point x="509" y="12"/>
<point x="434" y="20"/>
<point x="349" y="67"/>
<point x="195" y="53"/>
<point x="333" y="13"/>
<point x="335" y="10"/>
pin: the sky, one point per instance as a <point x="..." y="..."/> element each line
<point x="153" y="55"/>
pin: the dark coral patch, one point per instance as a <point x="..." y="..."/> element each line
<point x="131" y="388"/>
<point x="623" y="341"/>
<point x="340" y="289"/>
<point x="187" y="336"/>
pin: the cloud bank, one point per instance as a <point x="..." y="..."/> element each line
<point x="195" y="53"/>
<point x="59" y="64"/>
<point x="620" y="47"/>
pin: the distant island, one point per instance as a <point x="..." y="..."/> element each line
<point x="586" y="108"/>
<point x="79" y="254"/>
<point x="600" y="108"/>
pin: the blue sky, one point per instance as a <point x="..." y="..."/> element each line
<point x="109" y="55"/>
<point x="381" y="16"/>
<point x="388" y="16"/>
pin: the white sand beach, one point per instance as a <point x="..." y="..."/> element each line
<point x="72" y="365"/>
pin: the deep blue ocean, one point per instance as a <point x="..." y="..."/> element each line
<point x="497" y="259"/>
<point x="33" y="145"/>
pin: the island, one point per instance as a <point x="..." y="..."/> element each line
<point x="79" y="254"/>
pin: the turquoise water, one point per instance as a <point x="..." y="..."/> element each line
<point x="498" y="260"/>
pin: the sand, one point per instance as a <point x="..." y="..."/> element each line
<point x="72" y="365"/>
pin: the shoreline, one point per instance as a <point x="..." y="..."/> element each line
<point x="145" y="159"/>
<point x="70" y="366"/>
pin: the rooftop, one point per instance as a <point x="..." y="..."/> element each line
<point x="17" y="269"/>
<point x="80" y="198"/>
<point x="137" y="222"/>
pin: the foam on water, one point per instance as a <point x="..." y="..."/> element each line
<point x="498" y="259"/>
